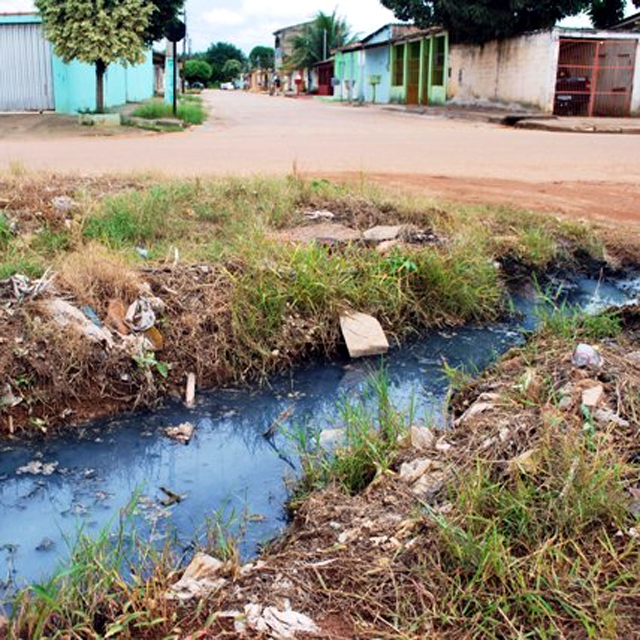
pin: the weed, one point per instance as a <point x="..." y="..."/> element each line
<point x="372" y="430"/>
<point x="190" y="111"/>
<point x="5" y="232"/>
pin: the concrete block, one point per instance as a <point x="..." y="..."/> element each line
<point x="363" y="334"/>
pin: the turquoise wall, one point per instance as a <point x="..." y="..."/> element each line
<point x="74" y="83"/>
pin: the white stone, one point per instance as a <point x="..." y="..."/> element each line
<point x="363" y="334"/>
<point x="331" y="438"/>
<point x="429" y="484"/>
<point x="383" y="233"/>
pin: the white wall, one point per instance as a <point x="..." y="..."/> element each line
<point x="635" y="94"/>
<point x="520" y="70"/>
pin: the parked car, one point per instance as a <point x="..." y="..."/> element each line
<point x="197" y="85"/>
<point x="227" y="86"/>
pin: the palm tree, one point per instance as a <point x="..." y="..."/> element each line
<point x="326" y="33"/>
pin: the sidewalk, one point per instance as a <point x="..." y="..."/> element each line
<point x="523" y="119"/>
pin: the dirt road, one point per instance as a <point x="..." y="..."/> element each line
<point x="579" y="174"/>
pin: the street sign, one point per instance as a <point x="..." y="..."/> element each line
<point x="176" y="31"/>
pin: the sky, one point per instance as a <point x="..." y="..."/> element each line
<point x="247" y="23"/>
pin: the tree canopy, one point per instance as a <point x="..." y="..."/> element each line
<point x="262" y="58"/>
<point x="166" y="12"/>
<point x="479" y="21"/>
<point x="316" y="41"/>
<point x="97" y="32"/>
<point x="197" y="71"/>
<point x="218" y="54"/>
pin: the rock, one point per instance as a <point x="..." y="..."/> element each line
<point x="592" y="397"/>
<point x="566" y="402"/>
<point x="605" y="416"/>
<point x="422" y="438"/>
<point x="201" y="578"/>
<point x="169" y="122"/>
<point x="363" y="334"/>
<point x="66" y="315"/>
<point x="38" y="468"/>
<point x="633" y="357"/>
<point x="586" y="356"/>
<point x="383" y="233"/>
<point x="429" y="485"/>
<point x="411" y="471"/>
<point x="182" y="433"/>
<point x="190" y="394"/>
<point x="323" y="232"/>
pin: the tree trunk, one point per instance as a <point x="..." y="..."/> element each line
<point x="101" y="68"/>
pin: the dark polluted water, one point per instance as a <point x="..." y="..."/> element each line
<point x="228" y="465"/>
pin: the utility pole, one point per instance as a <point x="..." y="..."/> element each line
<point x="184" y="49"/>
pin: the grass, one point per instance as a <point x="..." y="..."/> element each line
<point x="261" y="304"/>
<point x="373" y="430"/>
<point x="189" y="110"/>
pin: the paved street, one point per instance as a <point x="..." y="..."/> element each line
<point x="246" y="134"/>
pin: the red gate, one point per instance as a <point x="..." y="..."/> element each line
<point x="595" y="77"/>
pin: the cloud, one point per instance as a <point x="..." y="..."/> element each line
<point x="224" y="18"/>
<point x="16" y="6"/>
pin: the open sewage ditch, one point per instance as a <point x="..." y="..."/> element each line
<point x="232" y="470"/>
<point x="242" y="290"/>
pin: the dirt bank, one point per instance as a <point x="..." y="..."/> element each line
<point x="232" y="281"/>
<point x="522" y="515"/>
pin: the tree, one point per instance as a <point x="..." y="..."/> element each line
<point x="606" y="13"/>
<point x="231" y="70"/>
<point x="218" y="54"/>
<point x="262" y="58"/>
<point x="318" y="39"/>
<point x="478" y="21"/>
<point x="166" y="12"/>
<point x="97" y="32"/>
<point x="197" y="71"/>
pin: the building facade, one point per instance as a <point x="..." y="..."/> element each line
<point x="33" y="78"/>
<point x="571" y="72"/>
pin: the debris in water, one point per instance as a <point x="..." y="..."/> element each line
<point x="171" y="499"/>
<point x="363" y="334"/>
<point x="46" y="544"/>
<point x="201" y="578"/>
<point x="37" y="468"/>
<point x="271" y="431"/>
<point x="182" y="433"/>
<point x="190" y="395"/>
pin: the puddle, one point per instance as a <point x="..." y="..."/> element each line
<point x="228" y="464"/>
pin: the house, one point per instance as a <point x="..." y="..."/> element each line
<point x="284" y="39"/>
<point x="576" y="72"/>
<point x="397" y="63"/>
<point x="632" y="23"/>
<point x="33" y="78"/>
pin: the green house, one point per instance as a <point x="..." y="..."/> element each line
<point x="419" y="68"/>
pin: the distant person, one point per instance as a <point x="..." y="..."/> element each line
<point x="277" y="84"/>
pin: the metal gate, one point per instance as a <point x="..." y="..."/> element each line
<point x="26" y="80"/>
<point x="595" y="77"/>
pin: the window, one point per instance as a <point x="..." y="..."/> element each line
<point x="439" y="59"/>
<point x="398" y="66"/>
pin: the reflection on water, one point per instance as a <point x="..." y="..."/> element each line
<point x="229" y="462"/>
